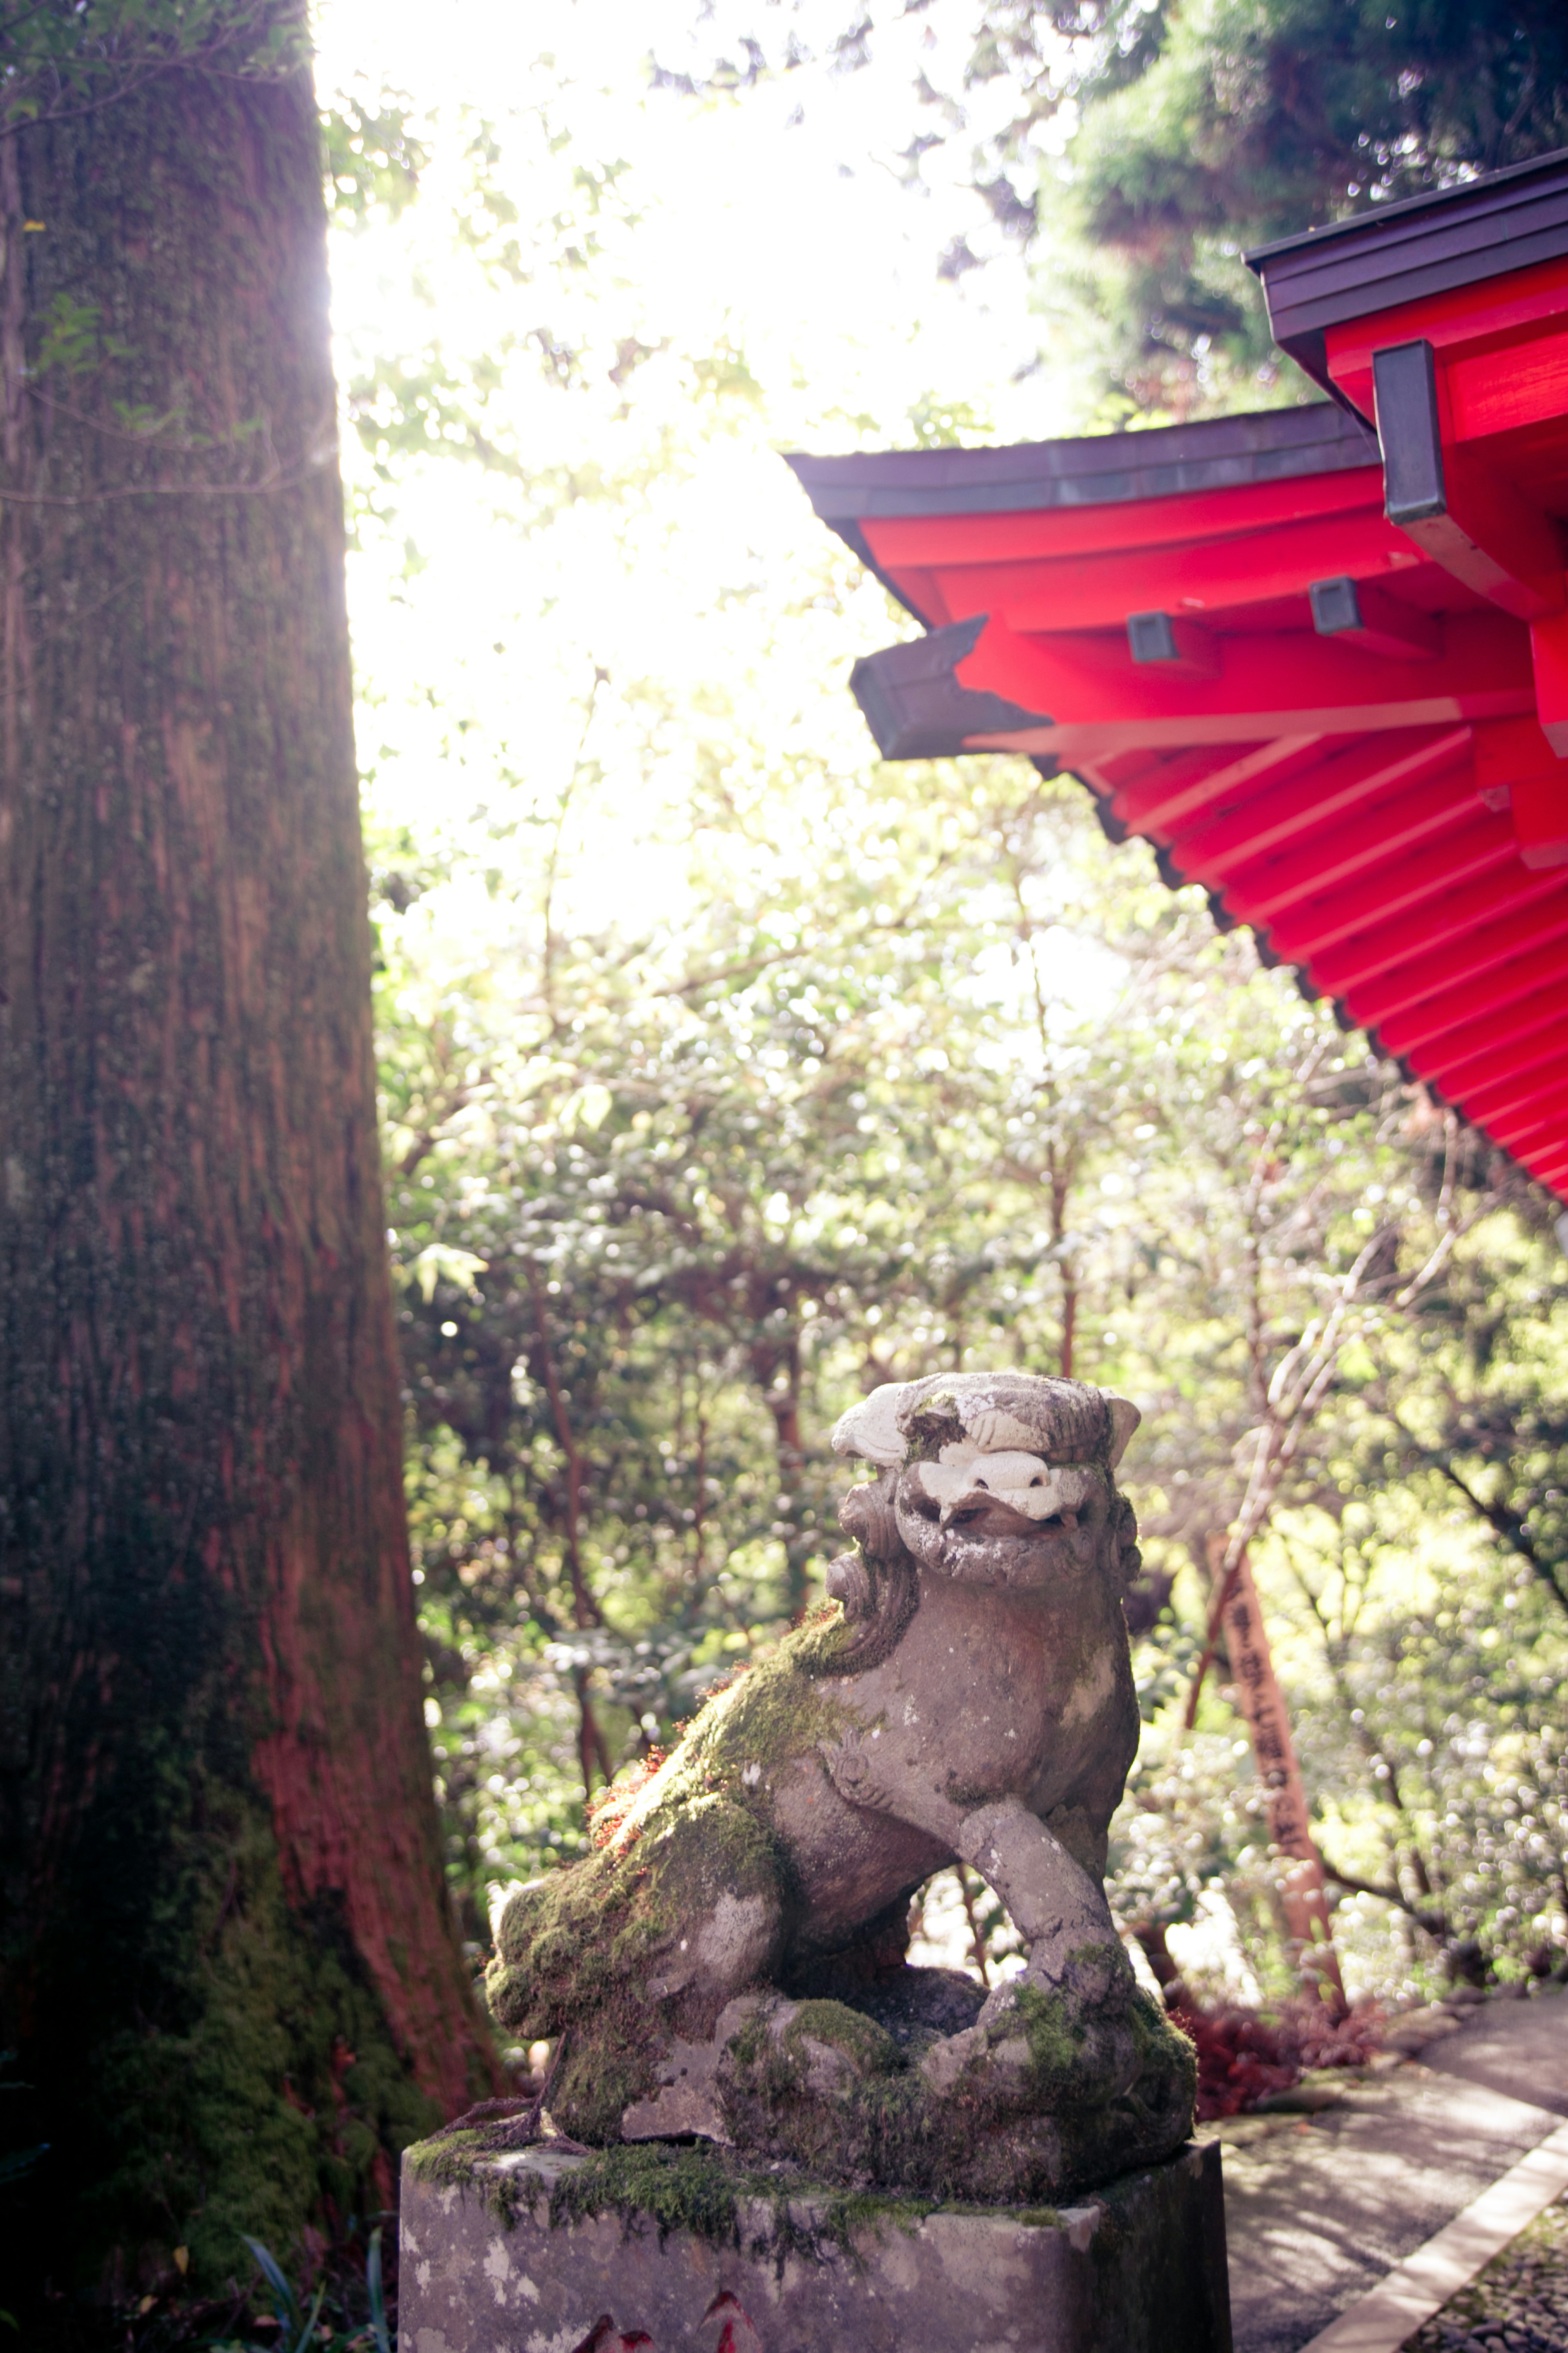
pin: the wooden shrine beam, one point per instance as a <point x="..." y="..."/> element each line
<point x="1387" y="947"/>
<point x="1531" y="1130"/>
<point x="1225" y="574"/>
<point x="1458" y="509"/>
<point x="1549" y="653"/>
<point x="1384" y="827"/>
<point x="1263" y="889"/>
<point x="1545" y="1007"/>
<point x="1033" y="526"/>
<point x="1314" y="924"/>
<point x="1186" y="784"/>
<point x="1437" y="1018"/>
<point x="1409" y="987"/>
<point x="1484" y="1099"/>
<point x="1271" y="683"/>
<point x="1548" y="1095"/>
<point x="1525" y="1052"/>
<point x="1327" y="681"/>
<point x="1313" y="796"/>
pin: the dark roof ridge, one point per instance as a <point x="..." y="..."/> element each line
<point x="1410" y="251"/>
<point x="1086" y="469"/>
<point x="1403" y="207"/>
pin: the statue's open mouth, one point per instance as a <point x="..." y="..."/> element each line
<point x="989" y="1515"/>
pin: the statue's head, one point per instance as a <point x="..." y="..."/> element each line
<point x="993" y="1478"/>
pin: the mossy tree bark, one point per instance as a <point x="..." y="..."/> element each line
<point x="230" y="1969"/>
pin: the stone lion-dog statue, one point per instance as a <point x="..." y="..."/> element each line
<point x="730" y="1963"/>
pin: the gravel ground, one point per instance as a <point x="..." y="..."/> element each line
<point x="1517" y="2305"/>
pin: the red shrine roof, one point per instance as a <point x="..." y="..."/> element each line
<point x="1318" y="656"/>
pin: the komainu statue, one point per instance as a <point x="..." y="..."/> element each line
<point x="731" y="1962"/>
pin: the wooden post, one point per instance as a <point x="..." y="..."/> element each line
<point x="1261" y="1702"/>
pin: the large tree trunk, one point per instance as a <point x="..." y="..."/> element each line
<point x="229" y="1964"/>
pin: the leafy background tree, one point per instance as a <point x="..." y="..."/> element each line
<point x="1136" y="148"/>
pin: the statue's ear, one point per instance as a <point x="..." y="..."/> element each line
<point x="1124" y="1421"/>
<point x="870" y="1429"/>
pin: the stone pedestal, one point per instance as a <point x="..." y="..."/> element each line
<point x="526" y="2252"/>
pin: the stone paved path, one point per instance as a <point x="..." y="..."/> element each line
<point x="1317" y="2210"/>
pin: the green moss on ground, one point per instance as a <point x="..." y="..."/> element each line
<point x="451" y="2157"/>
<point x="703" y="2191"/>
<point x="849" y="2214"/>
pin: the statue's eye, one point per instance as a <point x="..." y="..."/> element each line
<point x="1036" y="1481"/>
<point x="979" y="1483"/>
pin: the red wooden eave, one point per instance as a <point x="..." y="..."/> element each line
<point x="1319" y="655"/>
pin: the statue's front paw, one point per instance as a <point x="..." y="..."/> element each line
<point x="944" y="2063"/>
<point x="1094" y="1976"/>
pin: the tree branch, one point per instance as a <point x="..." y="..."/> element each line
<point x="1509" y="1524"/>
<point x="1435" y="1923"/>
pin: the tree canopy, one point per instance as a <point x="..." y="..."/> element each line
<point x="1134" y="149"/>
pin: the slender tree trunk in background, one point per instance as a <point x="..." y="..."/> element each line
<point x="1302" y="1889"/>
<point x="768" y="1360"/>
<point x="1061" y="1193"/>
<point x="591" y="1747"/>
<point x="221" y="1866"/>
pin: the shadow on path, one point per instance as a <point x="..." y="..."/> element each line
<point x="1317" y="2212"/>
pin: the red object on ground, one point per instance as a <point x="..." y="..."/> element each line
<point x="1318" y="656"/>
<point x="1243" y="2058"/>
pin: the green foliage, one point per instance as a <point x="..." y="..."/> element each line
<point x="285" y="2304"/>
<point x="716" y="1184"/>
<point x="1137" y="147"/>
<point x="1222" y="123"/>
<point x="332" y="2299"/>
<point x="70" y="341"/>
<point x="58" y="62"/>
<point x="371" y="157"/>
<point x="433" y="401"/>
<point x="836" y="1181"/>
